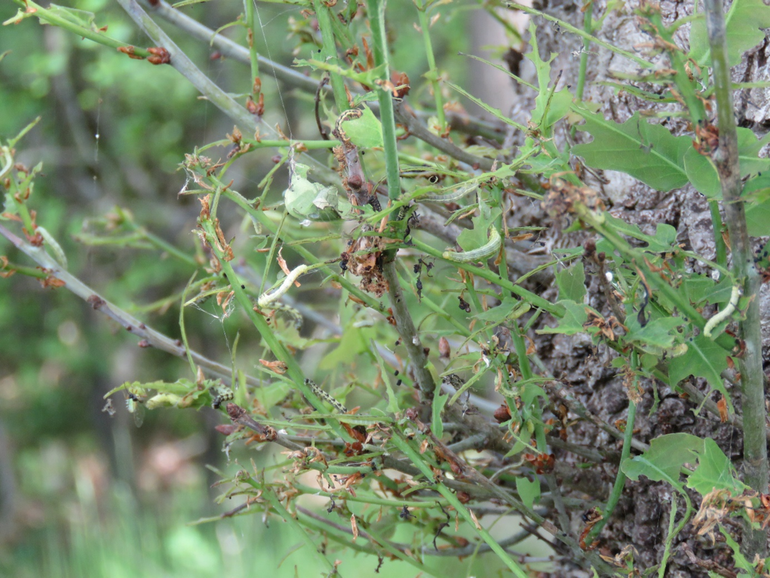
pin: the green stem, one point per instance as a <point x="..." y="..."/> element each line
<point x="620" y="480"/>
<point x="160" y="243"/>
<point x="719" y="241"/>
<point x="251" y="32"/>
<point x="752" y="376"/>
<point x="432" y="74"/>
<point x="329" y="52"/>
<point x="417" y="459"/>
<point x="376" y="9"/>
<point x="587" y="23"/>
<point x="260" y="323"/>
<point x="49" y="17"/>
<point x="302" y="252"/>
<point x="684" y="84"/>
<point x="192" y="73"/>
<point x="637" y="258"/>
<point x="485" y="273"/>
<point x="279" y="508"/>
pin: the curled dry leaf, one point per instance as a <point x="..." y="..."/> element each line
<point x="354" y="526"/>
<point x="277" y="366"/>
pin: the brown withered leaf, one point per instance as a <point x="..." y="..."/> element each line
<point x="354" y="526"/>
<point x="277" y="366"/>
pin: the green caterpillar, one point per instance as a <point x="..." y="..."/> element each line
<point x="488" y="249"/>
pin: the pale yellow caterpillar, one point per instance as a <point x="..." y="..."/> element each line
<point x="267" y="298"/>
<point x="488" y="249"/>
<point x="724" y="314"/>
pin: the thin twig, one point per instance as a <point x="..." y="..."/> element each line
<point x="411" y="340"/>
<point x="130" y="323"/>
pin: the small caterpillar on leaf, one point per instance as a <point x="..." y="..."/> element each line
<point x="488" y="249"/>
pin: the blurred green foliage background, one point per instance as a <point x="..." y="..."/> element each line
<point x="84" y="494"/>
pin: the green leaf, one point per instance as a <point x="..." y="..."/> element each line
<point x="490" y="109"/>
<point x="572" y="322"/>
<point x="664" y="240"/>
<point x="700" y="288"/>
<point x="664" y="459"/>
<point x="549" y="107"/>
<point x="645" y="151"/>
<point x="743" y="24"/>
<point x="474" y="238"/>
<point x="353" y="342"/>
<point x="500" y="312"/>
<point x="758" y="219"/>
<point x="529" y="491"/>
<point x="73" y="15"/>
<point x="714" y="472"/>
<point x="366" y="131"/>
<point x="658" y="333"/>
<point x="704" y="358"/>
<point x="748" y="152"/>
<point x="739" y="559"/>
<point x="439" y="401"/>
<point x="571" y="283"/>
<point x="702" y="174"/>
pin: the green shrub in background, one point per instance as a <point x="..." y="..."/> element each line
<point x="363" y="274"/>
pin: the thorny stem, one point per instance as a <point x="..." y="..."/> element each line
<point x="408" y="333"/>
<point x="432" y="74"/>
<point x="124" y="319"/>
<point x="416" y="128"/>
<point x="484" y="273"/>
<point x="260" y="323"/>
<point x="302" y="252"/>
<point x="403" y="445"/>
<point x="376" y="12"/>
<point x="460" y="122"/>
<point x="184" y="65"/>
<point x="329" y="48"/>
<point x="99" y="37"/>
<point x="587" y="26"/>
<point x="752" y="377"/>
<point x="396" y="550"/>
<point x="251" y="33"/>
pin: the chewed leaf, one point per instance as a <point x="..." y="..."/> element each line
<point x="714" y="472"/>
<point x="704" y="358"/>
<point x="665" y="458"/>
<point x="645" y="151"/>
